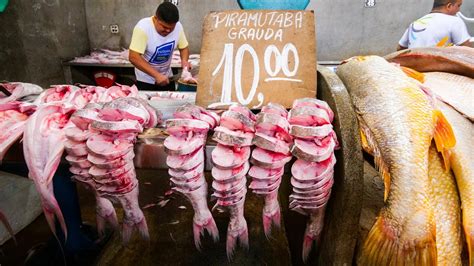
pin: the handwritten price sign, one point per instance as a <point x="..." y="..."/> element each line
<point x="256" y="57"/>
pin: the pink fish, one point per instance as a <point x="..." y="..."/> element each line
<point x="43" y="146"/>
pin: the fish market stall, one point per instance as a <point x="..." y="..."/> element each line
<point x="111" y="64"/>
<point x="338" y="239"/>
<point x="268" y="156"/>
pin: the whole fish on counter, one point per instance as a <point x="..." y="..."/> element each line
<point x="17" y="90"/>
<point x="455" y="90"/>
<point x="12" y="122"/>
<point x="397" y="124"/>
<point x="462" y="161"/>
<point x="447" y="210"/>
<point x="456" y="59"/>
<point x="43" y="145"/>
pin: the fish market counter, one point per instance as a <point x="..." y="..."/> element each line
<point x="172" y="227"/>
<point x="83" y="73"/>
<point x="339" y="237"/>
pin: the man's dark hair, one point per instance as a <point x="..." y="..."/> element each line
<point x="167" y="12"/>
<point x="440" y="3"/>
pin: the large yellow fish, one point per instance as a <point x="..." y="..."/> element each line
<point x="446" y="209"/>
<point x="398" y="123"/>
<point x="462" y="161"/>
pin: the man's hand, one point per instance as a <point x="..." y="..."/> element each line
<point x="161" y="80"/>
<point x="186" y="65"/>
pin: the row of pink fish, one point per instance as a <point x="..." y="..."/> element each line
<point x="43" y="124"/>
<point x="305" y="132"/>
<point x="100" y="151"/>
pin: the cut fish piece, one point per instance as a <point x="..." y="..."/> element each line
<point x="312" y="152"/>
<point x="309" y="133"/>
<point x="231" y="174"/>
<point x="237" y="121"/>
<point x="305" y="171"/>
<point x="180" y="146"/>
<point x="226" y="157"/>
<point x="312" y="102"/>
<point x="110" y="147"/>
<point x="186" y="161"/>
<point x="270" y="143"/>
<point x="232" y="138"/>
<point x="308" y="116"/>
<point x="268" y="159"/>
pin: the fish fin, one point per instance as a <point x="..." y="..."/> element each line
<point x="368" y="144"/>
<point x="443" y="42"/>
<point x="365" y="143"/>
<point x="383" y="247"/>
<point x="470" y="244"/>
<point x="143" y="230"/>
<point x="208" y="225"/>
<point x="443" y="136"/>
<point x="308" y="245"/>
<point x="241" y="235"/>
<point x="414" y="74"/>
<point x="127" y="230"/>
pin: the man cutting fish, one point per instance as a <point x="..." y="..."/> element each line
<point x="151" y="48"/>
<point x="441" y="27"/>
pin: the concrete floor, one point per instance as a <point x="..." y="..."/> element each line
<point x="171" y="234"/>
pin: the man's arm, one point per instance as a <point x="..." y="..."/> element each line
<point x="403" y="42"/>
<point x="137" y="60"/>
<point x="184" y="54"/>
<point x="183" y="47"/>
<point x="466" y="43"/>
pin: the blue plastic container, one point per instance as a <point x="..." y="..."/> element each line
<point x="186" y="87"/>
<point x="3" y="5"/>
<point x="274" y="4"/>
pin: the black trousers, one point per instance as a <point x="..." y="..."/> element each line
<point x="143" y="86"/>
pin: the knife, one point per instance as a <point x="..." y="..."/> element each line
<point x="4" y="90"/>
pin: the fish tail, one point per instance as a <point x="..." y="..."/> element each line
<point x="100" y="221"/>
<point x="52" y="212"/>
<point x="270" y="218"/>
<point x="383" y="247"/>
<point x="232" y="236"/>
<point x="127" y="230"/>
<point x="143" y="229"/>
<point x="211" y="229"/>
<point x="470" y="244"/>
<point x="308" y="240"/>
<point x="199" y="227"/>
<point x="443" y="136"/>
<point x="414" y="74"/>
<point x="105" y="213"/>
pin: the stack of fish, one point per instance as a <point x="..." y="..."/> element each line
<point x="80" y="164"/>
<point x="313" y="171"/>
<point x="269" y="158"/>
<point x="45" y="139"/>
<point x="110" y="153"/>
<point x="185" y="147"/>
<point x="230" y="166"/>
